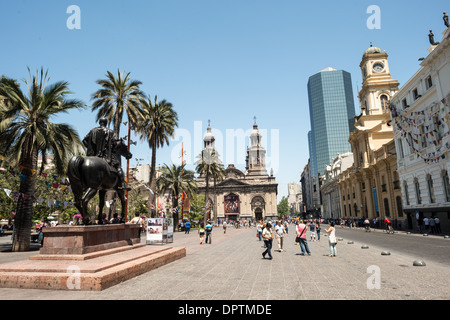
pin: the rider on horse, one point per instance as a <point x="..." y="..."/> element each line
<point x="99" y="143"/>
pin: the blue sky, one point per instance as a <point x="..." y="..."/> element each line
<point x="224" y="61"/>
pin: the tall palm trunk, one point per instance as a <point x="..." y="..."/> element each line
<point x="152" y="182"/>
<point x="24" y="209"/>
<point x="215" y="200"/>
<point x="175" y="210"/>
<point x="206" y="199"/>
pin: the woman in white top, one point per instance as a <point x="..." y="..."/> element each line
<point x="332" y="239"/>
<point x="268" y="237"/>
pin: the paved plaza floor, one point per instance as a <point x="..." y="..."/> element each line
<point x="232" y="268"/>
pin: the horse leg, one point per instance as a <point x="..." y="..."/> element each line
<point x="90" y="193"/>
<point x="77" y="191"/>
<point x="101" y="196"/>
<point x="121" y="195"/>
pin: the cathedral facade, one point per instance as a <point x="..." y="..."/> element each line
<point x="242" y="195"/>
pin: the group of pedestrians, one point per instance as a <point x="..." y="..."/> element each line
<point x="265" y="233"/>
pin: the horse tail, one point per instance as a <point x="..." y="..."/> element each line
<point x="73" y="169"/>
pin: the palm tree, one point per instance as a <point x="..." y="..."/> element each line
<point x="156" y="125"/>
<point x="177" y="180"/>
<point x="26" y="130"/>
<point x="118" y="95"/>
<point x="209" y="165"/>
<point x="218" y="173"/>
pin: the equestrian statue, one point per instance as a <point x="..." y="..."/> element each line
<point x="100" y="171"/>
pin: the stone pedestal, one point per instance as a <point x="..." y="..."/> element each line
<point x="87" y="239"/>
<point x="89" y="258"/>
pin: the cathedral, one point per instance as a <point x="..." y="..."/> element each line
<point x="242" y="195"/>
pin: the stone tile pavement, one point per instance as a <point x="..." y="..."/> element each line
<point x="232" y="268"/>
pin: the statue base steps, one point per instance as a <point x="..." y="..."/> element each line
<point x="92" y="271"/>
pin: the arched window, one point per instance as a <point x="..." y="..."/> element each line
<point x="446" y="183"/>
<point x="384" y="103"/>
<point x="418" y="195"/>
<point x="398" y="200"/>
<point x="405" y="188"/>
<point x="386" y="207"/>
<point x="430" y="189"/>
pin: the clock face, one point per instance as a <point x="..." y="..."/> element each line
<point x="378" y="67"/>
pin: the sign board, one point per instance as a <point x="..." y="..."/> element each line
<point x="159" y="230"/>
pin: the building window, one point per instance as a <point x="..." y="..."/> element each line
<point x="386" y="207"/>
<point x="429" y="82"/>
<point x="398" y="200"/>
<point x="384" y="103"/>
<point x="416" y="94"/>
<point x="400" y="149"/>
<point x="405" y="187"/>
<point x="446" y="182"/>
<point x="423" y="136"/>
<point x="418" y="196"/>
<point x="437" y="132"/>
<point x="404" y="104"/>
<point x="430" y="189"/>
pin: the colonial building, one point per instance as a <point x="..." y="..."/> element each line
<point x="295" y="197"/>
<point x="370" y="187"/>
<point x="420" y="114"/>
<point x="331" y="195"/>
<point x="307" y="188"/>
<point x="243" y="195"/>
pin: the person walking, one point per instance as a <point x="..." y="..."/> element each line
<point x="268" y="237"/>
<point x="438" y="224"/>
<point x="208" y="230"/>
<point x="259" y="229"/>
<point x="332" y="241"/>
<point x="318" y="228"/>
<point x="433" y="225"/>
<point x="187" y="227"/>
<point x="224" y="226"/>
<point x="280" y="231"/>
<point x="301" y="234"/>
<point x="312" y="231"/>
<point x="201" y="233"/>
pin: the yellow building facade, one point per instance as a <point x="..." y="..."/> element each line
<point x="370" y="188"/>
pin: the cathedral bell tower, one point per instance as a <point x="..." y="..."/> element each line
<point x="256" y="154"/>
<point x="378" y="86"/>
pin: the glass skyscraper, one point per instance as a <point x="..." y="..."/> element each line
<point x="332" y="111"/>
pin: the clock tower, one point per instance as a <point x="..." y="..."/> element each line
<point x="378" y="86"/>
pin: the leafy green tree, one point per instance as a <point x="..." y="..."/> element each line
<point x="176" y="180"/>
<point x="117" y="96"/>
<point x="209" y="165"/>
<point x="156" y="125"/>
<point x="26" y="131"/>
<point x="283" y="207"/>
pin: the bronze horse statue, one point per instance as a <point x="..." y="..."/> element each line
<point x="87" y="175"/>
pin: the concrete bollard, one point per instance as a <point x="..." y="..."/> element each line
<point x="365" y="246"/>
<point x="350" y="242"/>
<point x="385" y="253"/>
<point x="419" y="263"/>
